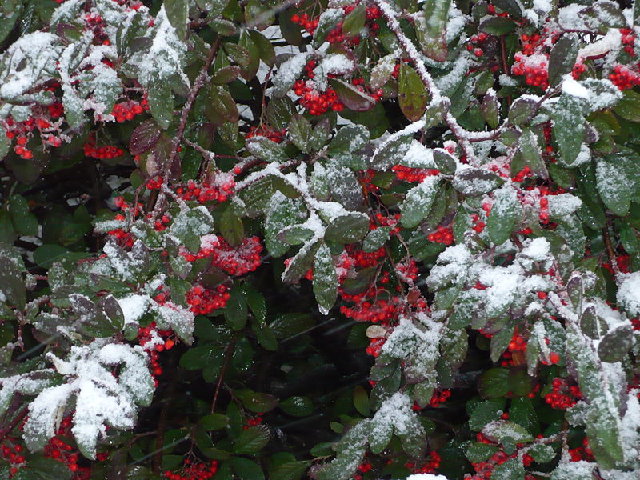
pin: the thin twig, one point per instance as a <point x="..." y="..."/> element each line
<point x="198" y="83"/>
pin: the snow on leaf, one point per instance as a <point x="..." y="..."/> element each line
<point x="573" y="471"/>
<point x="29" y="61"/>
<point x="164" y="59"/>
<point x="415" y="341"/>
<point x="628" y="295"/>
<point x="101" y="398"/>
<point x="419" y="201"/>
<point x="287" y="74"/>
<point x="176" y="318"/>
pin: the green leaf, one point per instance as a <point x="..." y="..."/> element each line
<point x="246" y="469"/>
<point x="325" y="279"/>
<point x="9" y="19"/>
<point x="214" y="421"/>
<point x="255" y="401"/>
<point x="282" y="212"/>
<point x="251" y="440"/>
<point x="418" y="201"/>
<point x="616" y="177"/>
<point x="354" y="21"/>
<point x="500" y="342"/>
<point x="361" y="401"/>
<point x="235" y="312"/>
<point x="480" y="452"/>
<point x="160" y="99"/>
<point x="7" y="233"/>
<point x="300" y="132"/>
<point x="497" y="26"/>
<point x="601" y="422"/>
<point x="265" y="149"/>
<point x="510" y="6"/>
<point x="542" y="453"/>
<point x="494" y="383"/>
<point x="568" y="127"/>
<point x="289" y="470"/>
<point x="431" y="29"/>
<point x="521" y="110"/>
<point x="24" y="222"/>
<point x="348" y="228"/>
<point x="512" y="469"/>
<point x="485" y="412"/>
<point x="506" y="432"/>
<point x="615" y="345"/>
<point x="12" y="276"/>
<point x="412" y="94"/>
<point x="221" y="107"/>
<point x="231" y="226"/>
<point x="178" y="14"/>
<point x="351" y="97"/>
<point x="562" y="58"/>
<point x="264" y="46"/>
<point x="504" y="216"/>
<point x="376" y="239"/>
<point x="349" y="138"/>
<point x="628" y="107"/>
<point x="490" y="109"/>
<point x="297" y="406"/>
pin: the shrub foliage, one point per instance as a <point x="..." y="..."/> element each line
<point x="323" y="239"/>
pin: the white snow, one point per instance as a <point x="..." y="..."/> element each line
<point x="628" y="295"/>
<point x="573" y="87"/>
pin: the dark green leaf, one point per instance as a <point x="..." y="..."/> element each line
<point x="325" y="279"/>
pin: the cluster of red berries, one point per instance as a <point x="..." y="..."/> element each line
<point x="64" y="453"/>
<point x="14" y="454"/>
<point x="439" y="397"/>
<point x="204" y="301"/>
<point x="379" y="220"/>
<point x="624" y="78"/>
<point x="238" y="260"/>
<point x="194" y="470"/>
<point x="276" y="136"/>
<point x="203" y="192"/>
<point x="21" y="150"/>
<point x="526" y="172"/>
<point x="375" y="346"/>
<point x="484" y="470"/>
<point x="563" y="395"/>
<point x="478" y="224"/>
<point x="628" y="39"/>
<point x="543" y="215"/>
<point x="155" y="341"/>
<point x="375" y="310"/>
<point x="413" y="175"/>
<point x="108" y="151"/>
<point x="253" y="422"/>
<point x="363" y="468"/>
<point x="531" y="42"/>
<point x="534" y="69"/>
<point x="314" y="101"/>
<point x="306" y="22"/>
<point x="517" y="343"/>
<point x="623" y="264"/>
<point x="581" y="453"/>
<point x="442" y="235"/>
<point x="408" y="270"/>
<point x="124" y="111"/>
<point x="430" y="465"/>
<point x="476" y="42"/>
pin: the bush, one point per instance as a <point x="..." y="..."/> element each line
<point x="319" y="239"/>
